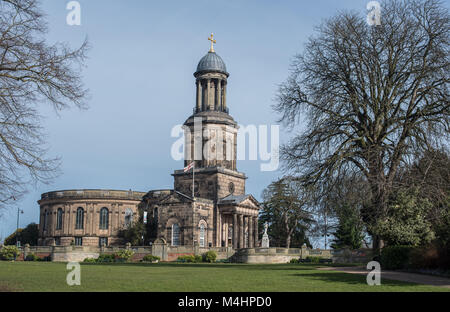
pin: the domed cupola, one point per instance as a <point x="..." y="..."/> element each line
<point x="211" y="80"/>
<point x="211" y="62"/>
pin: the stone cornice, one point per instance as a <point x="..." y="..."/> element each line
<point x="56" y="196"/>
<point x="210" y="170"/>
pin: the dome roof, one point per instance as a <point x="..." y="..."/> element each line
<point x="211" y="62"/>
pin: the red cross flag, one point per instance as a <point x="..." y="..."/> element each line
<point x="189" y="167"/>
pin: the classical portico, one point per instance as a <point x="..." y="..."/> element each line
<point x="238" y="221"/>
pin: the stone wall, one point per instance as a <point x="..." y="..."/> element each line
<point x="171" y="253"/>
<point x="266" y="255"/>
<point x="284" y="255"/>
<point x="79" y="253"/>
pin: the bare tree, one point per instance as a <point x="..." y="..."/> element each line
<point x="371" y="96"/>
<point x="31" y="72"/>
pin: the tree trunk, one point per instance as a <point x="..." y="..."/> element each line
<point x="377" y="244"/>
<point x="288" y="241"/>
<point x="288" y="232"/>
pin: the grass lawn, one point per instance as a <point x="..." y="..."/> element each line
<point x="48" y="276"/>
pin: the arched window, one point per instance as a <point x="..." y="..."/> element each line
<point x="59" y="219"/>
<point x="175" y="234"/>
<point x="202" y="240"/>
<point x="128" y="217"/>
<point x="79" y="224"/>
<point x="45" y="220"/>
<point x="104" y="218"/>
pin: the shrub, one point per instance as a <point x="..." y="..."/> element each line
<point x="424" y="258"/>
<point x="90" y="260"/>
<point x="46" y="258"/>
<point x="9" y="252"/>
<point x="105" y="258"/>
<point x="123" y="255"/>
<point x="210" y="256"/>
<point x="395" y="257"/>
<point x="31" y="257"/>
<point x="150" y="258"/>
<point x="198" y="258"/>
<point x="186" y="258"/>
<point x="312" y="259"/>
<point x="223" y="261"/>
<point x="294" y="261"/>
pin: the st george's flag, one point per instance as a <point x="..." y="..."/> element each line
<point x="189" y="167"/>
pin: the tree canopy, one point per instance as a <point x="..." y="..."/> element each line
<point x="28" y="235"/>
<point x="284" y="208"/>
<point x="370" y="97"/>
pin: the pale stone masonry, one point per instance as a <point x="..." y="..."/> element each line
<point x="213" y="211"/>
<point x="67" y="205"/>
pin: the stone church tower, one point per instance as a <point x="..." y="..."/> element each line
<point x="211" y="210"/>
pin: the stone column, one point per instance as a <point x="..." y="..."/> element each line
<point x="50" y="222"/>
<point x="65" y="224"/>
<point x="235" y="231"/>
<point x="219" y="231"/>
<point x="199" y="95"/>
<point x="241" y="231"/>
<point x="225" y="230"/>
<point x="208" y="93"/>
<point x="224" y="95"/>
<point x="255" y="225"/>
<point x="88" y="229"/>
<point x="216" y="231"/>
<point x="119" y="216"/>
<point x="219" y="94"/>
<point x="92" y="218"/>
<point x="70" y="222"/>
<point x="246" y="241"/>
<point x="251" y="237"/>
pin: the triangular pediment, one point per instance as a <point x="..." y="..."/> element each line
<point x="175" y="198"/>
<point x="241" y="200"/>
<point x="249" y="202"/>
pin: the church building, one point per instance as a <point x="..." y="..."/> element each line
<point x="207" y="206"/>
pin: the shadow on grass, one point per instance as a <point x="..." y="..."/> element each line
<point x="237" y="266"/>
<point x="347" y="278"/>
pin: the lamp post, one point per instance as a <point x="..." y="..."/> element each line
<point x="19" y="211"/>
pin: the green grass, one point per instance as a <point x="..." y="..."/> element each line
<point x="39" y="276"/>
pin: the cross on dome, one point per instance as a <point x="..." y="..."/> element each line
<point x="212" y="42"/>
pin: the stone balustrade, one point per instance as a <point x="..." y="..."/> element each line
<point x="171" y="253"/>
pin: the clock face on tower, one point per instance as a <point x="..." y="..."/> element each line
<point x="196" y="185"/>
<point x="231" y="187"/>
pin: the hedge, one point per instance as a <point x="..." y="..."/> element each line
<point x="396" y="257"/>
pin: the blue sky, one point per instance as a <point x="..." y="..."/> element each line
<point x="140" y="74"/>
